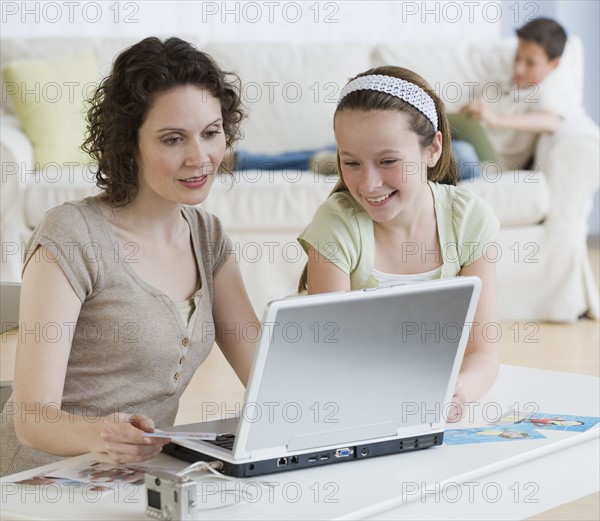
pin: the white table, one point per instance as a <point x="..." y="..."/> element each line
<point x="507" y="480"/>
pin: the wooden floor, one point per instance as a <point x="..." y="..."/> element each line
<point x="561" y="347"/>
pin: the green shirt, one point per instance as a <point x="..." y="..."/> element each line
<point x="342" y="232"/>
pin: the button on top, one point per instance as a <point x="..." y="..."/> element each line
<point x="185" y="342"/>
<point x="182" y="359"/>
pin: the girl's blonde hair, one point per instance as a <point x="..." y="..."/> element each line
<point x="444" y="171"/>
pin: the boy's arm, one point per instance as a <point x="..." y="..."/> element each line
<point x="536" y="122"/>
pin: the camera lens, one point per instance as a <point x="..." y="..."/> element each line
<point x="157" y="481"/>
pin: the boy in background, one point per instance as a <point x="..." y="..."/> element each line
<point x="527" y="107"/>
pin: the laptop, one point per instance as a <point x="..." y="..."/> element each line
<point x="344" y="376"/>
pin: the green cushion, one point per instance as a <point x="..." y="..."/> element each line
<point x="47" y="96"/>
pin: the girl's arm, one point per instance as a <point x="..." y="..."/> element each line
<point x="236" y="324"/>
<point x="47" y="298"/>
<point x="324" y="276"/>
<point x="481" y="362"/>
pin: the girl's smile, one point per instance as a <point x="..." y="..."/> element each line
<point x="383" y="163"/>
<point x="381" y="200"/>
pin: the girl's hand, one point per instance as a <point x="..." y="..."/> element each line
<point x="456" y="410"/>
<point x="124" y="441"/>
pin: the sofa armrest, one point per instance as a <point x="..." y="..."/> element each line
<point x="16" y="146"/>
<point x="569" y="159"/>
<point x="16" y="153"/>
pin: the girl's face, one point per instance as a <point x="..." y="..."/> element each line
<point x="180" y="145"/>
<point x="382" y="162"/>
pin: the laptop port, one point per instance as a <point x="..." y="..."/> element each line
<point x="343" y="453"/>
<point x="282" y="462"/>
<point x="312" y="459"/>
<point x="364" y="451"/>
<point x="324" y="457"/>
<point x="295" y="459"/>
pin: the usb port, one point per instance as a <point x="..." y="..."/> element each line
<point x="312" y="459"/>
<point x="324" y="457"/>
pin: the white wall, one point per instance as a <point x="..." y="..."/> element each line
<point x="275" y="20"/>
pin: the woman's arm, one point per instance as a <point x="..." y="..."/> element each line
<point x="48" y="300"/>
<point x="481" y="362"/>
<point x="236" y="324"/>
<point x="324" y="276"/>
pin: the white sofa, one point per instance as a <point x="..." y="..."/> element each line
<point x="290" y="91"/>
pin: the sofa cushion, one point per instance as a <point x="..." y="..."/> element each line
<point x="518" y="198"/>
<point x="47" y="96"/>
<point x="274" y="201"/>
<point x="290" y="91"/>
<point x="278" y="201"/>
<point x="251" y="200"/>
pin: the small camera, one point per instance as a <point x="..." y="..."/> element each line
<point x="170" y="497"/>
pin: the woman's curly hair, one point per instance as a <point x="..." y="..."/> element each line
<point x="121" y="101"/>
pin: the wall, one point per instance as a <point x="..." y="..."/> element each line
<point x="300" y="21"/>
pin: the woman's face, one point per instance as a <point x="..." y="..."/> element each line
<point x="382" y="161"/>
<point x="181" y="144"/>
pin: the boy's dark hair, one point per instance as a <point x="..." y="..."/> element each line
<point x="546" y="32"/>
<point x="122" y="100"/>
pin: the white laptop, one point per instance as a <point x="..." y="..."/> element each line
<point x="345" y="376"/>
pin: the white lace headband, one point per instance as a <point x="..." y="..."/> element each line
<point x="405" y="90"/>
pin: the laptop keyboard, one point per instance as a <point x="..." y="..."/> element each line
<point x="225" y="441"/>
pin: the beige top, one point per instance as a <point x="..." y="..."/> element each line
<point x="186" y="310"/>
<point x="131" y="350"/>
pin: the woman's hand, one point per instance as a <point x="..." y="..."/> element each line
<point x="124" y="441"/>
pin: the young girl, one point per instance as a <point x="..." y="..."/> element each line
<point x="128" y="290"/>
<point x="396" y="216"/>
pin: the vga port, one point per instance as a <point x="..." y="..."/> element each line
<point x="343" y="453"/>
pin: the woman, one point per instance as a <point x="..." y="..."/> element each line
<point x="133" y="286"/>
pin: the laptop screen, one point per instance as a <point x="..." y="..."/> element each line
<point x="359" y="366"/>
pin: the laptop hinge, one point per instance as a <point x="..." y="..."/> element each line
<point x="341" y="436"/>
